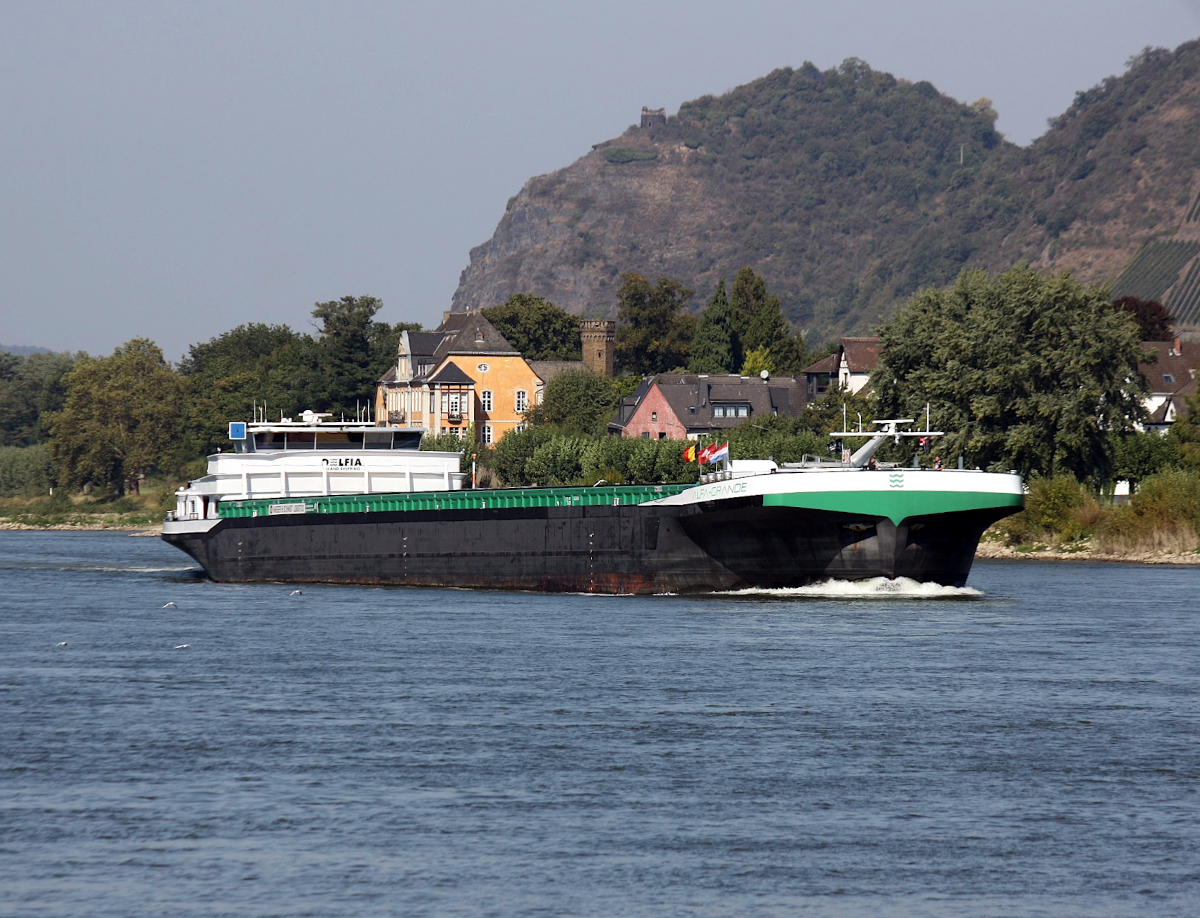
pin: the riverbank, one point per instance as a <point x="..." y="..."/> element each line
<point x="995" y="549"/>
<point x="116" y="525"/>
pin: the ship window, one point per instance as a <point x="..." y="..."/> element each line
<point x="485" y="399"/>
<point x="300" y="439"/>
<point x="338" y="440"/>
<point x="378" y="439"/>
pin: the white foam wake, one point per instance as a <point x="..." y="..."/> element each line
<point x="875" y="588"/>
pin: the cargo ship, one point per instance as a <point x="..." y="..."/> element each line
<point x="320" y="501"/>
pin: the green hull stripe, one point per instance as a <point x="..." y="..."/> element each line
<point x="895" y="505"/>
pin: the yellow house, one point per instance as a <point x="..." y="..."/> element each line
<point x="464" y="373"/>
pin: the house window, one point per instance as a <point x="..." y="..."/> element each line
<point x="487" y="432"/>
<point x="485" y="397"/>
<point x="654" y="415"/>
<point x="645" y="435"/>
<point x="1168" y="379"/>
<point x="522" y="401"/>
<point x="743" y="411"/>
<point x="662" y="435"/>
<point x="718" y="411"/>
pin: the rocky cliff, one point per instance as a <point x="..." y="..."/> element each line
<point x="848" y="189"/>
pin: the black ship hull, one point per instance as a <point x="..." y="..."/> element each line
<point x="591" y="549"/>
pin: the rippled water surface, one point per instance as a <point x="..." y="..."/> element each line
<point x="1027" y="746"/>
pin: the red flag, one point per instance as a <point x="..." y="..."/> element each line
<point x="706" y="452"/>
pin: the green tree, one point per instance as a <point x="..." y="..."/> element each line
<point x="1139" y="454"/>
<point x="536" y="327"/>
<point x="1185" y="434"/>
<point x="512" y="453"/>
<point x="654" y="332"/>
<point x="270" y="366"/>
<point x="759" y="323"/>
<point x="354" y="351"/>
<point x="758" y="361"/>
<point x="120" y="421"/>
<point x="577" y="402"/>
<point x="713" y="347"/>
<point x="1025" y="371"/>
<point x="31" y="390"/>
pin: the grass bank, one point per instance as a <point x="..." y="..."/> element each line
<point x="80" y="511"/>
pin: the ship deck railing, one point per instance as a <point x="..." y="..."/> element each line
<point x="494" y="499"/>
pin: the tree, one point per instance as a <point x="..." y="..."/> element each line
<point x="759" y="323"/>
<point x="1185" y="434"/>
<point x="353" y="352"/>
<point x="1139" y="454"/>
<point x="31" y="390"/>
<point x="654" y="333"/>
<point x="536" y="327"/>
<point x="251" y="365"/>
<point x="1154" y="322"/>
<point x="120" y="421"/>
<point x="713" y="347"/>
<point x="1025" y="371"/>
<point x="758" y="361"/>
<point x="577" y="402"/>
<point x="510" y="455"/>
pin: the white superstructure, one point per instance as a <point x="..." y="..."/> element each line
<point x="314" y="457"/>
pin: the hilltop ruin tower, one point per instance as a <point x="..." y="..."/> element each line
<point x="598" y="337"/>
<point x="653" y="116"/>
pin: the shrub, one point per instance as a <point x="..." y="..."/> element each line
<point x="558" y="461"/>
<point x="620" y="155"/>
<point x="1055" y="508"/>
<point x="25" y="471"/>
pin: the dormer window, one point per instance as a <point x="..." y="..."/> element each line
<point x="1168" y="379"/>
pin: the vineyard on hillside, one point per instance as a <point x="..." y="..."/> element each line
<point x="1193" y="215"/>
<point x="1184" y="301"/>
<point x="1154" y="270"/>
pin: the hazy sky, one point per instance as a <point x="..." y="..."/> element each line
<point x="173" y="170"/>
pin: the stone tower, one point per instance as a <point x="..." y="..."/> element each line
<point x="597" y="337"/>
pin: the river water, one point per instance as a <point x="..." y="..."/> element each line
<point x="1027" y="746"/>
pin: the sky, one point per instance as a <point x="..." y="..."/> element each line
<point x="172" y="170"/>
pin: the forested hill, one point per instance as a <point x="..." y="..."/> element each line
<point x="848" y="189"/>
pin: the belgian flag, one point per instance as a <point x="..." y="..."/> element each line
<point x="689" y="454"/>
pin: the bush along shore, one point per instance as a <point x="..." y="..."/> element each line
<point x="61" y="510"/>
<point x="1063" y="520"/>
